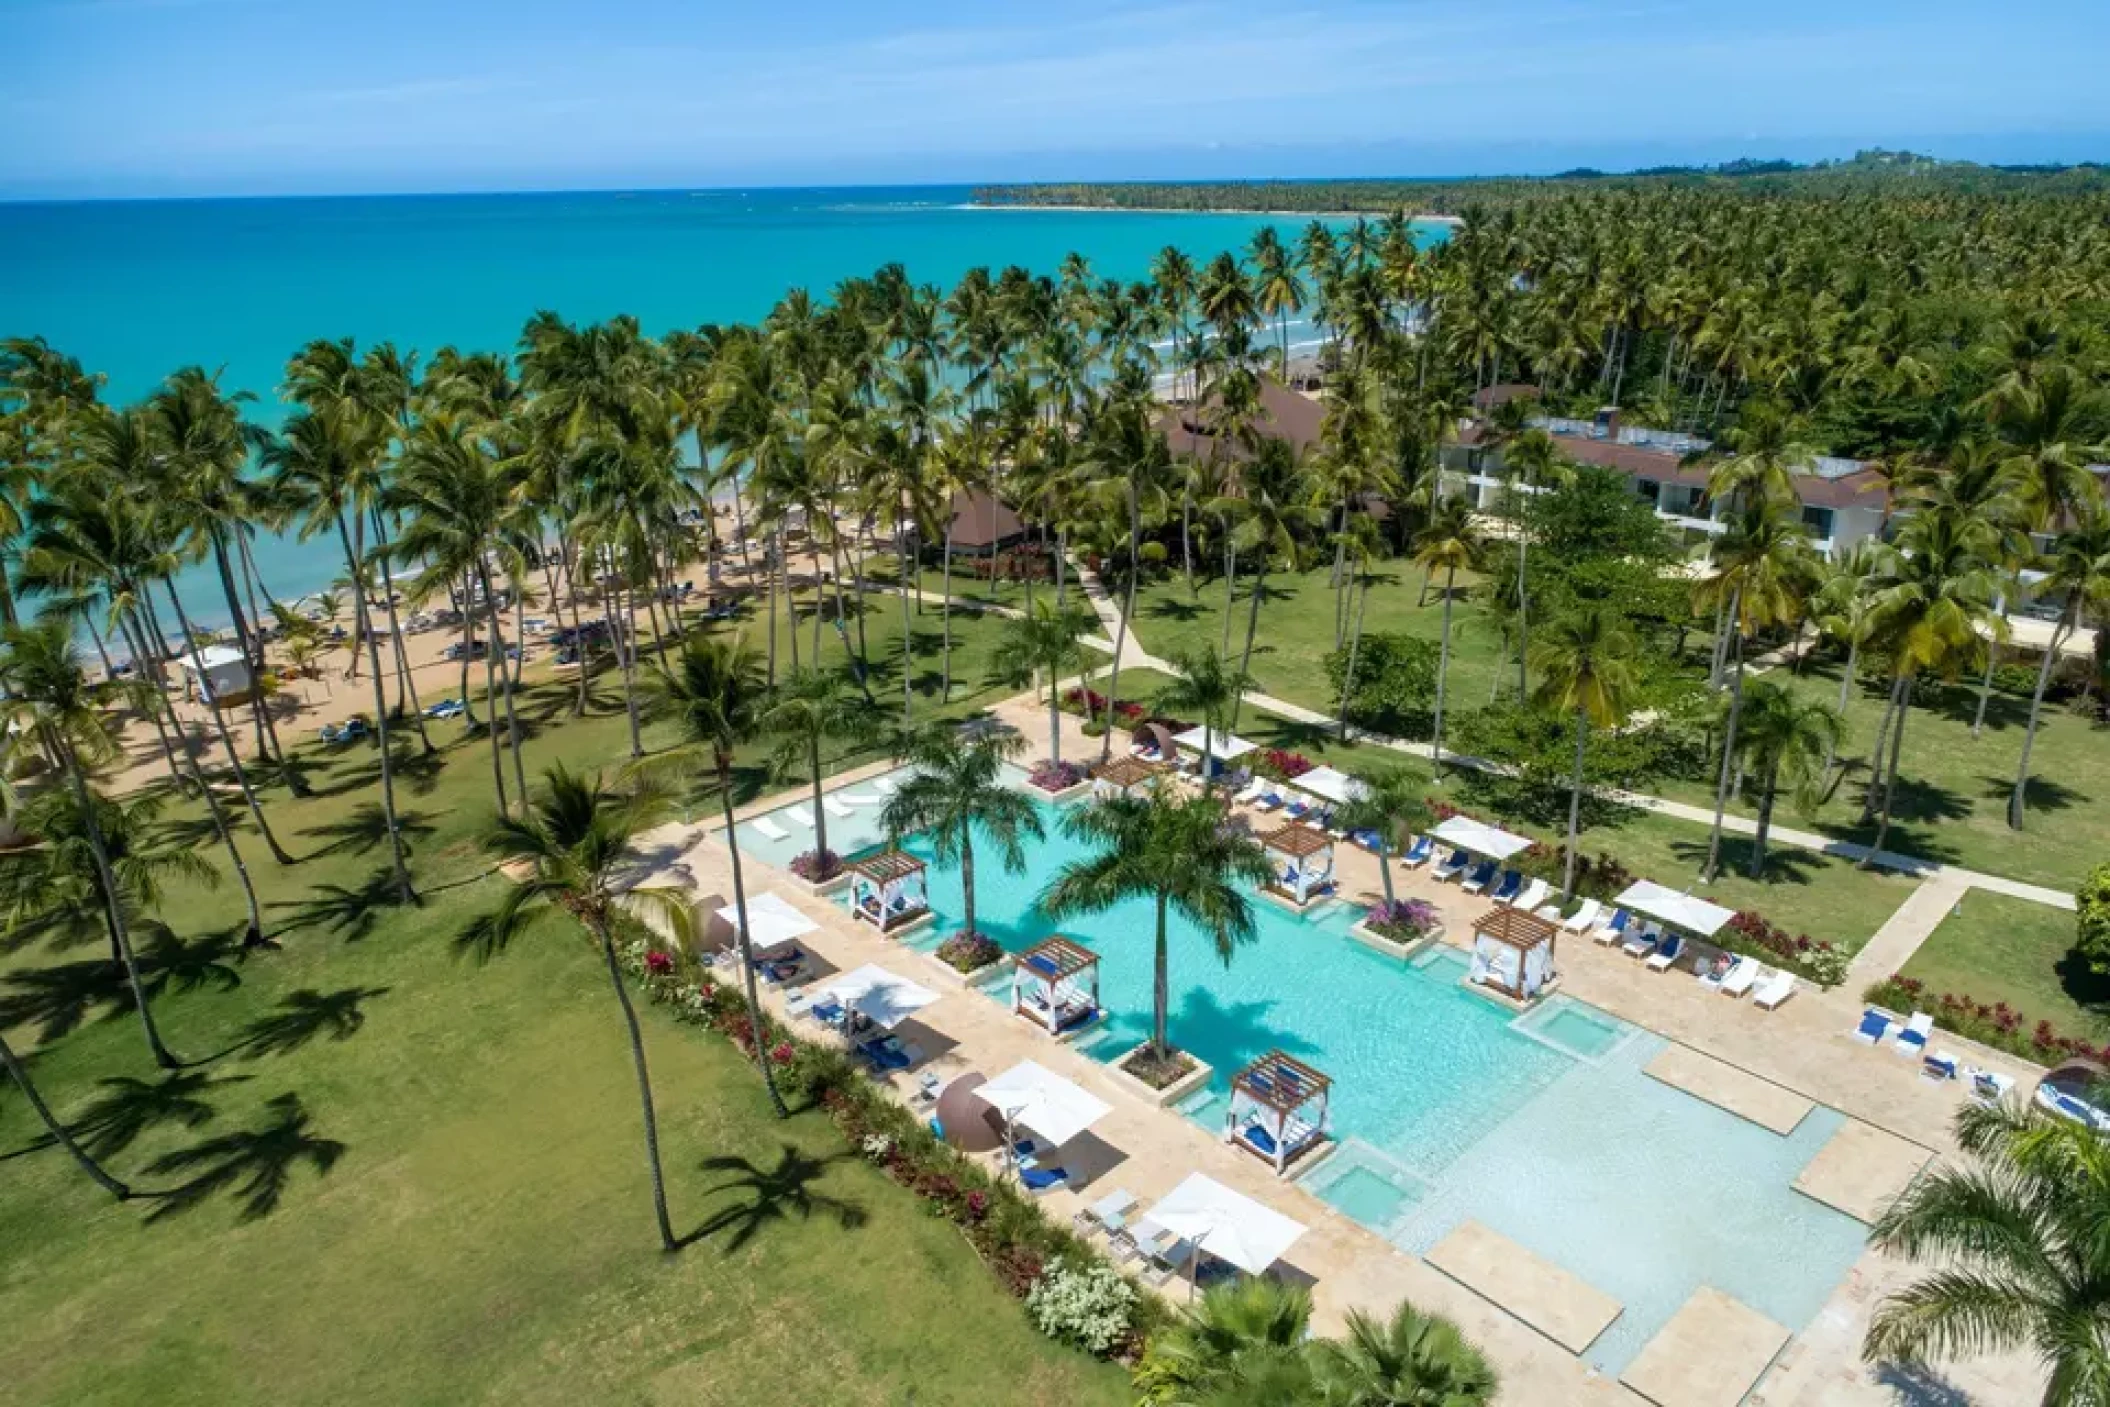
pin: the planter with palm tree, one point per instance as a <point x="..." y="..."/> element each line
<point x="572" y="852"/>
<point x="812" y="707"/>
<point x="1176" y="852"/>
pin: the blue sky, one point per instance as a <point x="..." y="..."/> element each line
<point x="199" y="97"/>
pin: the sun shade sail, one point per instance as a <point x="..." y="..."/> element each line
<point x="770" y="920"/>
<point x="1329" y="784"/>
<point x="882" y="997"/>
<point x="1469" y="834"/>
<point x="1222" y="746"/>
<point x="1228" y="1225"/>
<point x="1695" y="916"/>
<point x="1037" y="1099"/>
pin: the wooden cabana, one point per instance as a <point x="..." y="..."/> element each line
<point x="1055" y="985"/>
<point x="1513" y="952"/>
<point x="1279" y="1108"/>
<point x="1302" y="859"/>
<point x="888" y="889"/>
<point x="1120" y="775"/>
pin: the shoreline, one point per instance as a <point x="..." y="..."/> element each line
<point x="1449" y="221"/>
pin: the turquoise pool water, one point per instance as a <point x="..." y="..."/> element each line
<point x="1452" y="1107"/>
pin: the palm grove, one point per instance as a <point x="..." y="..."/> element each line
<point x="1951" y="339"/>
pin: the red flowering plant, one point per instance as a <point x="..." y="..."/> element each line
<point x="816" y="865"/>
<point x="659" y="962"/>
<point x="1056" y="776"/>
<point x="1282" y="765"/>
<point x="1991" y="1023"/>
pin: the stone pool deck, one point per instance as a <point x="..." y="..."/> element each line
<point x="1727" y="1087"/>
<point x="1563" y="1307"/>
<point x="1708" y="1355"/>
<point x="1802" y="1051"/>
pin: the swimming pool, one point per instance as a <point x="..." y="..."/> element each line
<point x="1453" y="1107"/>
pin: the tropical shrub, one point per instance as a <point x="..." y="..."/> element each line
<point x="969" y="952"/>
<point x="1090" y="1306"/>
<point x="1395" y="682"/>
<point x="1753" y="934"/>
<point x="1282" y="765"/>
<point x="1989" y="1023"/>
<point x="2092" y="921"/>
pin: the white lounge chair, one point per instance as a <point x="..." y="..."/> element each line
<point x="1613" y="929"/>
<point x="1482" y="876"/>
<point x="1252" y="792"/>
<point x="1988" y="1086"/>
<point x="1875" y="1027"/>
<point x="1912" y="1041"/>
<point x="858" y="798"/>
<point x="886" y="786"/>
<point x="768" y="829"/>
<point x="1667" y="953"/>
<point x="835" y="807"/>
<point x="1454" y="866"/>
<point x="1742" y="973"/>
<point x="799" y="814"/>
<point x="1534" y="895"/>
<point x="1772" y="993"/>
<point x="1643" y="942"/>
<point x="1581" y="920"/>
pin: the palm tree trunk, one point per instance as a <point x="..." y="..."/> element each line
<point x="1890" y="787"/>
<point x="1985" y="687"/>
<point x="498" y="771"/>
<point x="1765" y="820"/>
<point x="626" y="651"/>
<point x="2017" y="797"/>
<point x="772" y="610"/>
<point x="60" y="1134"/>
<point x="227" y="744"/>
<point x="468" y="642"/>
<point x="820" y="811"/>
<point x="406" y="680"/>
<point x="1230" y="585"/>
<point x="120" y="932"/>
<point x="1869" y="799"/>
<point x="1846" y="683"/>
<point x="1721" y="791"/>
<point x="1054" y="715"/>
<point x="1575" y="791"/>
<point x="967" y="882"/>
<point x="1252" y="627"/>
<point x="1443" y="667"/>
<point x="1161" y="990"/>
<point x="644" y="1089"/>
<point x="945" y="625"/>
<point x="1113" y="683"/>
<point x="569" y="562"/>
<point x="404" y="891"/>
<point x="747" y="951"/>
<point x="1355" y="647"/>
<point x="1523" y="615"/>
<point x="908" y="630"/>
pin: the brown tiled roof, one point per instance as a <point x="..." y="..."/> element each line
<point x="979" y="520"/>
<point x="1284" y="415"/>
<point x="1281" y="1081"/>
<point x="1125" y="772"/>
<point x="1053" y="959"/>
<point x="1490" y="397"/>
<point x="1862" y="489"/>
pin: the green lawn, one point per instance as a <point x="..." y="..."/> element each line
<point x="1953" y="788"/>
<point x="1992" y="948"/>
<point x="485" y="1229"/>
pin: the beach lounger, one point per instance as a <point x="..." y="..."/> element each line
<point x="1771" y="994"/>
<point x="1642" y="942"/>
<point x="801" y="815"/>
<point x="768" y="829"/>
<point x="1480" y="878"/>
<point x="1583" y="918"/>
<point x="1666" y="953"/>
<point x="1534" y="895"/>
<point x="1742" y="973"/>
<point x="1455" y="866"/>
<point x="1419" y="852"/>
<point x="1941" y="1065"/>
<point x="858" y="798"/>
<point x="1912" y="1041"/>
<point x="1039" y="1180"/>
<point x="1613" y="929"/>
<point x="1988" y="1086"/>
<point x="1251" y="793"/>
<point x="1109" y="1214"/>
<point x="1298" y="810"/>
<point x="834" y="807"/>
<point x="828" y="1012"/>
<point x="1267" y="801"/>
<point x="1508" y="886"/>
<point x="1875" y="1027"/>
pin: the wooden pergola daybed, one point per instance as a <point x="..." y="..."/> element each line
<point x="888" y="890"/>
<point x="1513" y="953"/>
<point x="1279" y="1109"/>
<point x="1306" y="869"/>
<point x="1055" y="985"/>
<point x="1121" y="775"/>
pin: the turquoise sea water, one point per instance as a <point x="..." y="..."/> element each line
<point x="136" y="289"/>
<point x="1449" y="1106"/>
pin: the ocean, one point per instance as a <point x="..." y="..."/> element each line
<point x="136" y="289"/>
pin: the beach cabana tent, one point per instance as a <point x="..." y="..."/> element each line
<point x="1305" y="856"/>
<point x="1229" y="1225"/>
<point x="886" y="999"/>
<point x="1465" y="833"/>
<point x="1155" y="738"/>
<point x="1681" y="911"/>
<point x="1513" y="952"/>
<point x="1329" y="784"/>
<point x="1055" y="985"/>
<point x="964" y="1120"/>
<point x="1032" y="1097"/>
<point x="887" y="889"/>
<point x="1279" y="1109"/>
<point x="1121" y="775"/>
<point x="1223" y="747"/>
<point x="770" y="920"/>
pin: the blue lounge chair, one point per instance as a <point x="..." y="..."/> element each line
<point x="1370" y="840"/>
<point x="1874" y="1027"/>
<point x="1298" y="810"/>
<point x="1512" y="883"/>
<point x="1939" y="1066"/>
<point x="887" y="1055"/>
<point x="1455" y="866"/>
<point x="1038" y="1180"/>
<point x="1269" y="802"/>
<point x="1419" y="852"/>
<point x="1615" y="929"/>
<point x="828" y="1013"/>
<point x="1480" y="878"/>
<point x="1667" y="950"/>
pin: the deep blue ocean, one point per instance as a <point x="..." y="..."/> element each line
<point x="136" y="289"/>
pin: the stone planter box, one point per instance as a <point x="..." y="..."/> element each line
<point x="1173" y="1093"/>
<point x="835" y="884"/>
<point x="1070" y="793"/>
<point x="957" y="978"/>
<point x="1363" y="933"/>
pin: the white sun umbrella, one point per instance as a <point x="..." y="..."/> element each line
<point x="1480" y="838"/>
<point x="1330" y="784"/>
<point x="884" y="998"/>
<point x="1695" y="916"/>
<point x="1224" y="747"/>
<point x="1228" y="1225"/>
<point x="1040" y="1101"/>
<point x="770" y="920"/>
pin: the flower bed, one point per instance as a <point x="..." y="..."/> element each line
<point x="1014" y="1238"/>
<point x="817" y="866"/>
<point x="1809" y="957"/>
<point x="1282" y="765"/>
<point x="1996" y="1024"/>
<point x="1056" y="777"/>
<point x="1404" y="920"/>
<point x="968" y="952"/>
<point x="1159" y="1074"/>
<point x="1092" y="704"/>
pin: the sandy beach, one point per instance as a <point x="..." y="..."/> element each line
<point x="1451" y="220"/>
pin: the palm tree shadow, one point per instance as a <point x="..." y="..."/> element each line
<point x="771" y="1195"/>
<point x="128" y="1108"/>
<point x="254" y="1166"/>
<point x="174" y="965"/>
<point x="1173" y="609"/>
<point x="59" y="998"/>
<point x="1236" y="1035"/>
<point x="302" y="1017"/>
<point x="364" y="828"/>
<point x="351" y="912"/>
<point x="2041" y="793"/>
<point x="1785" y="864"/>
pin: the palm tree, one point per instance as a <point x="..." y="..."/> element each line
<point x="1413" y="1359"/>
<point x="1532" y="461"/>
<point x="958" y="792"/>
<point x="2077" y="567"/>
<point x="1176" y="851"/>
<point x="1388" y="803"/>
<point x="715" y="695"/>
<point x="59" y="1132"/>
<point x="1585" y="661"/>
<point x="1272" y="505"/>
<point x="1786" y="736"/>
<point x="1047" y="641"/>
<point x="2016" y="1237"/>
<point x="1448" y="540"/>
<point x="53" y="706"/>
<point x="573" y="851"/>
<point x="811" y="707"/>
<point x="1840" y="610"/>
<point x="1205" y="683"/>
<point x="1225" y="1344"/>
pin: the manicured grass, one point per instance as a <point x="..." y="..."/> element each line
<point x="485" y="1231"/>
<point x="1953" y="788"/>
<point x="1993" y="948"/>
